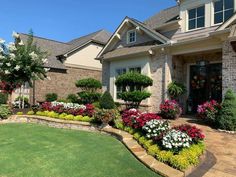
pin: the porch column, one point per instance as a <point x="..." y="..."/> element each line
<point x="167" y="73"/>
<point x="106" y="76"/>
<point x="228" y="67"/>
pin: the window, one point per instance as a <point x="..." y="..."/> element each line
<point x="131" y="36"/>
<point x="223" y="10"/>
<point x="196" y="18"/>
<point x="120" y="89"/>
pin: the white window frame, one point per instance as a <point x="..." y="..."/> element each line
<point x="187" y="19"/>
<point x="213" y="12"/>
<point x="128" y="36"/>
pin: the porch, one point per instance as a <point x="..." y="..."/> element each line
<point x="201" y="73"/>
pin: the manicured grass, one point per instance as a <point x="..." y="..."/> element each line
<point x="29" y="150"/>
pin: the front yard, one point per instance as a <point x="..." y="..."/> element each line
<point x="36" y="150"/>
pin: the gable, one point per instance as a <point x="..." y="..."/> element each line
<point x="144" y="35"/>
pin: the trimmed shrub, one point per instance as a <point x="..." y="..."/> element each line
<point x="30" y="113"/>
<point x="135" y="83"/>
<point x="106" y="101"/>
<point x="19" y="113"/>
<point x="3" y="98"/>
<point x="227" y="115"/>
<point x="72" y="98"/>
<point x="50" y="97"/>
<point x="4" y="111"/>
<point x="106" y="115"/>
<point x="89" y="88"/>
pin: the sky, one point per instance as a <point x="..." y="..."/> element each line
<point x="64" y="20"/>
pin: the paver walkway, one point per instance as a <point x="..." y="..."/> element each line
<point x="222" y="145"/>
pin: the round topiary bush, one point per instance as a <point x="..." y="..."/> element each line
<point x="226" y="119"/>
<point x="50" y="97"/>
<point x="135" y="84"/>
<point x="106" y="101"/>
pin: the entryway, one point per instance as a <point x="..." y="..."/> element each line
<point x="205" y="83"/>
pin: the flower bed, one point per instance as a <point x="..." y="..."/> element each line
<point x="170" y="109"/>
<point x="69" y="108"/>
<point x="208" y="111"/>
<point x="179" y="147"/>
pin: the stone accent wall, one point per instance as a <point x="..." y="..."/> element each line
<point x="161" y="66"/>
<point x="229" y="67"/>
<point x="62" y="82"/>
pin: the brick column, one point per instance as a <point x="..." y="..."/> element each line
<point x="228" y="67"/>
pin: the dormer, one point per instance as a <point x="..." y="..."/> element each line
<point x="200" y="14"/>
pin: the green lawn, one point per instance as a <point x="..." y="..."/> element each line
<point x="39" y="151"/>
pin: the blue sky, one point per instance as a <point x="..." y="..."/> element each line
<point x="64" y="20"/>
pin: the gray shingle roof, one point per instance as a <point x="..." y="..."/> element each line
<point x="163" y="17"/>
<point x="56" y="48"/>
<point x="53" y="48"/>
<point x="126" y="51"/>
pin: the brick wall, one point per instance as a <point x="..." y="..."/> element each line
<point x="229" y="67"/>
<point x="62" y="82"/>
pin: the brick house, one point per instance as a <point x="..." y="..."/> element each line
<point x="192" y="43"/>
<point x="68" y="62"/>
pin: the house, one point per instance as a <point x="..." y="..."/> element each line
<point x="192" y="43"/>
<point x="68" y="62"/>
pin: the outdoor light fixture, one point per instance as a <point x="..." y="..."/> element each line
<point x="202" y="63"/>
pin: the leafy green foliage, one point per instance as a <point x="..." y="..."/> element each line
<point x="176" y="89"/>
<point x="72" y="98"/>
<point x="89" y="90"/>
<point x="106" y="101"/>
<point x="20" y="98"/>
<point x="87" y="97"/>
<point x="106" y="115"/>
<point x="135" y="84"/>
<point x="30" y="113"/>
<point x="227" y="115"/>
<point x="4" y="111"/>
<point x="133" y="79"/>
<point x="51" y="97"/>
<point x="89" y="84"/>
<point x="3" y="98"/>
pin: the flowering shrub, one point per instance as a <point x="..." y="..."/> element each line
<point x="175" y="140"/>
<point x="170" y="109"/>
<point x="69" y="108"/>
<point x="209" y="110"/>
<point x="106" y="115"/>
<point x="156" y="128"/>
<point x="129" y="116"/>
<point x="136" y="119"/>
<point x="192" y="131"/>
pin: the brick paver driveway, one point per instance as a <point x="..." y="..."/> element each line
<point x="222" y="145"/>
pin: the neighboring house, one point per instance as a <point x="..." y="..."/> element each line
<point x="192" y="43"/>
<point x="68" y="62"/>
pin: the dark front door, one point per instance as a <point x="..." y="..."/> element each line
<point x="205" y="84"/>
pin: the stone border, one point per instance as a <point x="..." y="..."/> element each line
<point x="226" y="131"/>
<point x="127" y="139"/>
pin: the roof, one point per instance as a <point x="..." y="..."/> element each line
<point x="127" y="51"/>
<point x="53" y="48"/>
<point x="56" y="48"/>
<point x="163" y="17"/>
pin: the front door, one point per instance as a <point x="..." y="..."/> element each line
<point x="205" y="84"/>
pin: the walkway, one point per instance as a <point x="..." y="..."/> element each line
<point x="222" y="145"/>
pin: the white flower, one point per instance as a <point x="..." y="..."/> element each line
<point x="46" y="69"/>
<point x="1" y="50"/>
<point x="45" y="61"/>
<point x="15" y="35"/>
<point x="17" y="67"/>
<point x="12" y="56"/>
<point x="2" y="41"/>
<point x="8" y="64"/>
<point x="33" y="55"/>
<point x="7" y="72"/>
<point x="11" y="47"/>
<point x="21" y="43"/>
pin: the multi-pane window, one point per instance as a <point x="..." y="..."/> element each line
<point x="196" y="18"/>
<point x="120" y="89"/>
<point x="131" y="36"/>
<point x="223" y="10"/>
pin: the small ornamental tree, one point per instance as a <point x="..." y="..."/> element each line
<point x="226" y="119"/>
<point x="135" y="84"/>
<point x="89" y="90"/>
<point x="20" y="63"/>
<point x="106" y="101"/>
